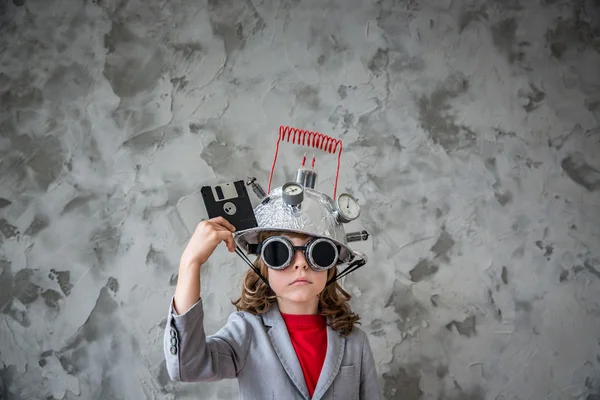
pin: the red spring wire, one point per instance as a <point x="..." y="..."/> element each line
<point x="312" y="139"/>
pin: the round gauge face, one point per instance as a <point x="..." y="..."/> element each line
<point x="292" y="189"/>
<point x="348" y="206"/>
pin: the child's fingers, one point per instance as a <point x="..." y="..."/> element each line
<point x="223" y="222"/>
<point x="227" y="237"/>
<point x="230" y="243"/>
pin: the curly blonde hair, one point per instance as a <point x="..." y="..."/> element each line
<point x="257" y="297"/>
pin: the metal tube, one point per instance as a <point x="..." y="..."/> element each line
<point x="357" y="236"/>
<point x="256" y="188"/>
<point x="307" y="177"/>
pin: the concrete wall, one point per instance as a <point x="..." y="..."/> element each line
<point x="471" y="137"/>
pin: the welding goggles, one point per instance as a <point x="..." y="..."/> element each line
<point x="277" y="252"/>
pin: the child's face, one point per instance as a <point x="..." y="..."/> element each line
<point x="285" y="282"/>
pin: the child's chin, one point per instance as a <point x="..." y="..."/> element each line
<point x="301" y="296"/>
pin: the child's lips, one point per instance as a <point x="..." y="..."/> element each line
<point x="301" y="281"/>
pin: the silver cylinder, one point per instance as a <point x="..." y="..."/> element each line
<point x="357" y="236"/>
<point x="307" y="177"/>
<point x="256" y="188"/>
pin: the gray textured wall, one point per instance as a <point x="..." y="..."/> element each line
<point x="472" y="139"/>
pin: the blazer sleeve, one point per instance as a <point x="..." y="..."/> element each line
<point x="370" y="388"/>
<point x="191" y="356"/>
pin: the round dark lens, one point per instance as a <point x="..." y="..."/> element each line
<point x="276" y="254"/>
<point x="323" y="254"/>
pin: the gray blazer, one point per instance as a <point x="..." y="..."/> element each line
<point x="256" y="349"/>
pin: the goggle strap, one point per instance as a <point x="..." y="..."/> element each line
<point x="247" y="260"/>
<point x="352" y="267"/>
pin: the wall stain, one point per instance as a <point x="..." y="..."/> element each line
<point x="235" y="22"/>
<point x="422" y="270"/>
<point x="308" y="96"/>
<point x="458" y="393"/>
<point x="504" y="275"/>
<point x="8" y="374"/>
<point x="79" y="201"/>
<point x="402" y="382"/>
<point x="133" y="64"/>
<point x="63" y="278"/>
<point x="6" y="282"/>
<point x="155" y="138"/>
<point x="333" y="48"/>
<point x="504" y="36"/>
<point x="497" y="310"/>
<point x="341" y="117"/>
<point x="464" y="328"/>
<point x="7" y="229"/>
<point x="39" y="223"/>
<point x="179" y="83"/>
<point x="52" y="298"/>
<point x="23" y="288"/>
<point x="99" y="324"/>
<point x="17" y="311"/>
<point x="587" y="264"/>
<point x="407" y="307"/>
<point x="574" y="33"/>
<point x="471" y="14"/>
<point x="379" y="62"/>
<point x="38" y="161"/>
<point x="534" y="97"/>
<point x="425" y="267"/>
<point x="105" y="241"/>
<point x="576" y="168"/>
<point x="4" y="203"/>
<point x="503" y="197"/>
<point x="435" y="116"/>
<point x="443" y="245"/>
<point x="548" y="249"/>
<point x="68" y="83"/>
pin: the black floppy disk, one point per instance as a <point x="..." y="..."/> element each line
<point x="230" y="200"/>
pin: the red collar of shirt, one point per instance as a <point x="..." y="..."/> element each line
<point x="303" y="322"/>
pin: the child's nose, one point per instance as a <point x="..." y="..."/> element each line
<point x="299" y="260"/>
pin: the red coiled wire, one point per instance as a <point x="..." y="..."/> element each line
<point x="307" y="138"/>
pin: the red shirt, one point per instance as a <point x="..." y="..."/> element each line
<point x="309" y="338"/>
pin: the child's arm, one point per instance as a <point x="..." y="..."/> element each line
<point x="189" y="354"/>
<point x="370" y="389"/>
<point x="207" y="236"/>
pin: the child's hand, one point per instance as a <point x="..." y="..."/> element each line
<point x="206" y="238"/>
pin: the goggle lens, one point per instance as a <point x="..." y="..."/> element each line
<point x="323" y="254"/>
<point x="276" y="254"/>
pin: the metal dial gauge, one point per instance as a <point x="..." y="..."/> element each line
<point x="292" y="193"/>
<point x="347" y="207"/>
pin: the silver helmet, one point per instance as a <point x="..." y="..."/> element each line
<point x="298" y="208"/>
<point x="315" y="215"/>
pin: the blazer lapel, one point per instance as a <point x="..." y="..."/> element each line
<point x="333" y="360"/>
<point x="282" y="344"/>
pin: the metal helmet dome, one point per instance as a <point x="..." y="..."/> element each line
<point x="314" y="216"/>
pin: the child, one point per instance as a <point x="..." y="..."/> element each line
<point x="291" y="338"/>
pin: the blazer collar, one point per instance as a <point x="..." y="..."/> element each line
<point x="282" y="344"/>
